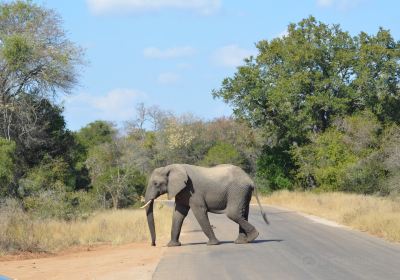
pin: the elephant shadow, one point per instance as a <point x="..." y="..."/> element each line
<point x="231" y="242"/>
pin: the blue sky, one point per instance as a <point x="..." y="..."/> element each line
<point x="173" y="53"/>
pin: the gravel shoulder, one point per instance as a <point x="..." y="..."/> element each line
<point x="132" y="261"/>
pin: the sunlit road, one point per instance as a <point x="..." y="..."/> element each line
<point x="292" y="247"/>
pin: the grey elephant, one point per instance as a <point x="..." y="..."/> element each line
<point x="221" y="189"/>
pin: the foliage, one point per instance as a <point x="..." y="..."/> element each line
<point x="51" y="174"/>
<point x="299" y="84"/>
<point x="96" y="133"/>
<point x="324" y="162"/>
<point x="222" y="153"/>
<point x="354" y="155"/>
<point x="113" y="177"/>
<point x="61" y="205"/>
<point x="93" y="134"/>
<point x="7" y="164"/>
<point x="273" y="173"/>
<point x="37" y="62"/>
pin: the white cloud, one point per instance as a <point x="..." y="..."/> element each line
<point x="153" y="52"/>
<point x="168" y="78"/>
<point x="116" y="105"/>
<point x="231" y="55"/>
<point x="123" y="6"/>
<point x="339" y="4"/>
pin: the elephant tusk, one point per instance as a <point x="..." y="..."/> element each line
<point x="148" y="202"/>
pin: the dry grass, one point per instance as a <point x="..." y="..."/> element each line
<point x="376" y="215"/>
<point x="19" y="232"/>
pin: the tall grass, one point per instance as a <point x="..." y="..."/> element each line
<point x="379" y="216"/>
<point x="20" y="232"/>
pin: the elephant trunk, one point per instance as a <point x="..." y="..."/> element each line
<point x="150" y="222"/>
<point x="149" y="203"/>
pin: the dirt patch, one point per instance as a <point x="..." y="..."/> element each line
<point x="133" y="261"/>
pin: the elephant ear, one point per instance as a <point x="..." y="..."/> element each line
<point x="177" y="179"/>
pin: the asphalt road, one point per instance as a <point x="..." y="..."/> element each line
<point x="291" y="247"/>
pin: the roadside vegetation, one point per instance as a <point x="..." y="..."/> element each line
<point x="19" y="232"/>
<point x="314" y="110"/>
<point x="379" y="216"/>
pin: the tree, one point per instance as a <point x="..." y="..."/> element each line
<point x="93" y="134"/>
<point x="36" y="62"/>
<point x="300" y="83"/>
<point x="324" y="162"/>
<point x="222" y="153"/>
<point x="51" y="174"/>
<point x="349" y="156"/>
<point x="7" y="162"/>
<point x="112" y="176"/>
<point x="96" y="133"/>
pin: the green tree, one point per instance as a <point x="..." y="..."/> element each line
<point x="7" y="163"/>
<point x="96" y="133"/>
<point x="300" y="83"/>
<point x="222" y="153"/>
<point x="274" y="169"/>
<point x="37" y="62"/>
<point x="113" y="178"/>
<point x="88" y="137"/>
<point x="51" y="174"/>
<point x="346" y="157"/>
<point x="324" y="162"/>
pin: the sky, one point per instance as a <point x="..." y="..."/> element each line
<point x="173" y="53"/>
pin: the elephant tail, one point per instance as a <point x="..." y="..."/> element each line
<point x="263" y="214"/>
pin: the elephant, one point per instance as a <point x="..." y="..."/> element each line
<point x="222" y="189"/>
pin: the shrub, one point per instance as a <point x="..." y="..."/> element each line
<point x="7" y="150"/>
<point x="324" y="162"/>
<point x="61" y="205"/>
<point x="274" y="170"/>
<point x="222" y="153"/>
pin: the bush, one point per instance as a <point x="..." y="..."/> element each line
<point x="7" y="151"/>
<point x="326" y="160"/>
<point x="51" y="174"/>
<point x="365" y="177"/>
<point x="355" y="155"/>
<point x="273" y="170"/>
<point x="60" y="205"/>
<point x="222" y="153"/>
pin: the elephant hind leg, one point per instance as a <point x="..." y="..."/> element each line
<point x="240" y="215"/>
<point x="245" y="228"/>
<point x="242" y="237"/>
<point x="244" y="225"/>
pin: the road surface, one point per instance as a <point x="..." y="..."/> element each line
<point x="291" y="247"/>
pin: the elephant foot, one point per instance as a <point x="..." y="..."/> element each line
<point x="242" y="239"/>
<point x="173" y="243"/>
<point x="252" y="235"/>
<point x="213" y="242"/>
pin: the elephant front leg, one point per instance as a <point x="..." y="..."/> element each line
<point x="201" y="215"/>
<point x="179" y="215"/>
